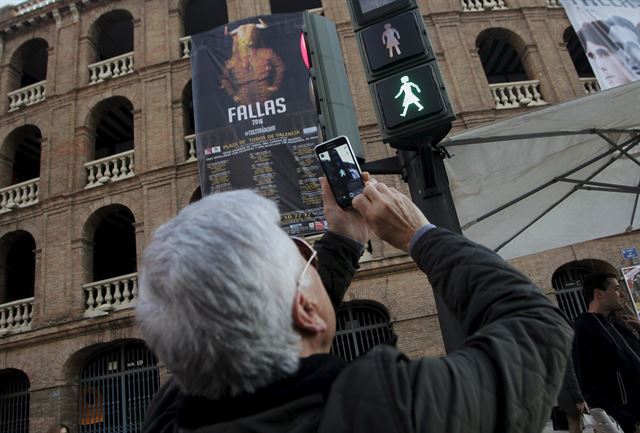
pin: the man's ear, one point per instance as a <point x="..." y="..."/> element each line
<point x="306" y="317"/>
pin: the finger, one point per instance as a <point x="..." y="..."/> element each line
<point x="366" y="177"/>
<point x="361" y="204"/>
<point x="327" y="195"/>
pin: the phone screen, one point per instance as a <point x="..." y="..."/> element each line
<point x="342" y="171"/>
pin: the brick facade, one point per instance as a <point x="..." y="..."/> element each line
<point x="61" y="339"/>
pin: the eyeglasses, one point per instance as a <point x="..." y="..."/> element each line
<point x="308" y="253"/>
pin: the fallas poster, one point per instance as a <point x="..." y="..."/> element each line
<point x="255" y="116"/>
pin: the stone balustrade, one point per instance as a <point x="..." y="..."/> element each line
<point x="111" y="294"/>
<point x="517" y="94"/>
<point x="111" y="68"/>
<point x="185" y="46"/>
<point x="112" y="168"/>
<point x="16" y="315"/>
<point x="26" y="96"/>
<point x="482" y="5"/>
<point x="554" y="4"/>
<point x="590" y="85"/>
<point x="190" y="144"/>
<point x="19" y="195"/>
<point x="33" y="5"/>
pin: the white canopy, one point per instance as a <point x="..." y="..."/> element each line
<point x="553" y="177"/>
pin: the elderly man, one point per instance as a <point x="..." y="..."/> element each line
<point x="242" y="315"/>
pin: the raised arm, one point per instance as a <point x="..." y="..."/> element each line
<point x="507" y="375"/>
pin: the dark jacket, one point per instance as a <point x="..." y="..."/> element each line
<point x="505" y="379"/>
<point x="606" y="357"/>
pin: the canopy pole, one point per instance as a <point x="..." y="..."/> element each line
<point x="554" y="205"/>
<point x="613" y="144"/>
<point x="547" y="184"/>
<point x="605" y="186"/>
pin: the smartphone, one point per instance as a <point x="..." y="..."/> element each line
<point x="341" y="169"/>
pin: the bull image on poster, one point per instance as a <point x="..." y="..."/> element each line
<point x="255" y="119"/>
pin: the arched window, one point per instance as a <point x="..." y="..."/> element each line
<point x="286" y="6"/>
<point x="114" y="243"/>
<point x="116" y="386"/>
<point x="196" y="196"/>
<point x="21" y="163"/>
<point x="576" y="51"/>
<point x="188" y="123"/>
<point x="568" y="281"/>
<point x="202" y="15"/>
<point x="500" y="60"/>
<point x="360" y="326"/>
<point x="19" y="265"/>
<point x="112" y="35"/>
<point x="28" y="70"/>
<point x="112" y="39"/>
<point x="112" y="123"/>
<point x="14" y="401"/>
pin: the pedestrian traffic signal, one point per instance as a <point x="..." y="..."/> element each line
<point x="408" y="96"/>
<point x="401" y="69"/>
<point x="383" y="47"/>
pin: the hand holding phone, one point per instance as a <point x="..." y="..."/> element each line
<point x="341" y="169"/>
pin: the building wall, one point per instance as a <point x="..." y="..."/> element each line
<point x="53" y="352"/>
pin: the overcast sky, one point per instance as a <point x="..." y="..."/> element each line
<point x="9" y="2"/>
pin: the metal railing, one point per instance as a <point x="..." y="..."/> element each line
<point x="482" y="5"/>
<point x="111" y="68"/>
<point x="16" y="315"/>
<point x="19" y="195"/>
<point x="359" y="328"/>
<point x="26" y="96"/>
<point x="111" y="294"/>
<point x="112" y="168"/>
<point x="517" y="94"/>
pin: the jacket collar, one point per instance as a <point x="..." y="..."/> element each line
<point x="315" y="375"/>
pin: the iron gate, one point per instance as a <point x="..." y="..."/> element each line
<point x="359" y="328"/>
<point x="568" y="283"/>
<point x="116" y="387"/>
<point x="14" y="402"/>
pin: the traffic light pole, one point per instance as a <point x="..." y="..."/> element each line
<point x="423" y="170"/>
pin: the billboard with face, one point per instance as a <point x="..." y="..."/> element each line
<point x="610" y="35"/>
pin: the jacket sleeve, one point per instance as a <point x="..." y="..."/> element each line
<point x="338" y="259"/>
<point x="508" y="373"/>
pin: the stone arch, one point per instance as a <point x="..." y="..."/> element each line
<point x="29" y="63"/>
<point x="111" y="34"/>
<point x="361" y="324"/>
<point x="14" y="399"/>
<point x="188" y="119"/>
<point x="20" y="155"/>
<point x="202" y="15"/>
<point x="110" y="237"/>
<point x="502" y="54"/>
<point x="17" y="266"/>
<point x="111" y="124"/>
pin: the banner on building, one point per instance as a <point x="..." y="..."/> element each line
<point x="631" y="277"/>
<point x="609" y="31"/>
<point x="255" y="116"/>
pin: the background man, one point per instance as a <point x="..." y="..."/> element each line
<point x="244" y="321"/>
<point x="606" y="355"/>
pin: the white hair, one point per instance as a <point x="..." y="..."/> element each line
<point x="216" y="295"/>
